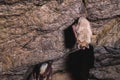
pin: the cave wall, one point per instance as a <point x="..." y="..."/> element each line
<point x="34" y="31"/>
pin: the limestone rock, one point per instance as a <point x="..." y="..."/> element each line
<point x="33" y="31"/>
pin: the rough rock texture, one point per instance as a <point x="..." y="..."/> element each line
<point x="33" y="31"/>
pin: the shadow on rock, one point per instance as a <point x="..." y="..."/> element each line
<point x="79" y="63"/>
<point x="69" y="36"/>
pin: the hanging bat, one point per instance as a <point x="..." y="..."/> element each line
<point x="42" y="71"/>
<point x="83" y="33"/>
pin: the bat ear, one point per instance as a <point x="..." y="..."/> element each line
<point x="74" y="27"/>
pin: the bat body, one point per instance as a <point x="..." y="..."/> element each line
<point x="83" y="33"/>
<point x="42" y="71"/>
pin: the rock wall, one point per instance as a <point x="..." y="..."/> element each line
<point x="34" y="31"/>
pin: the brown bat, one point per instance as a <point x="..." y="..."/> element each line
<point x="83" y="33"/>
<point x="46" y="71"/>
<point x="42" y="71"/>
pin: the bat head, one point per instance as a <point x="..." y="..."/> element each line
<point x="83" y="44"/>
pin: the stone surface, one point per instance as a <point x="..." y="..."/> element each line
<point x="98" y="9"/>
<point x="34" y="34"/>
<point x="108" y="34"/>
<point x="106" y="73"/>
<point x="34" y="31"/>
